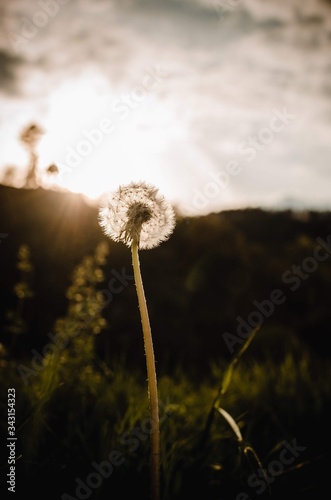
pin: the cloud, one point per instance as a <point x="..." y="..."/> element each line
<point x="228" y="64"/>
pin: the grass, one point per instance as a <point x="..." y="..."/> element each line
<point x="78" y="414"/>
<point x="69" y="418"/>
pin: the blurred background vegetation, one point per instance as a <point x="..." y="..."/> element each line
<point x="56" y="266"/>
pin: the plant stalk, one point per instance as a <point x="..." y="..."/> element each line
<point x="151" y="376"/>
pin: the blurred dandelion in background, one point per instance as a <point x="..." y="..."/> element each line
<point x="30" y="137"/>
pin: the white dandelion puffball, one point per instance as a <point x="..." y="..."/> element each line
<point x="137" y="212"/>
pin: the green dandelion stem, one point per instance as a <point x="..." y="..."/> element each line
<point x="151" y="375"/>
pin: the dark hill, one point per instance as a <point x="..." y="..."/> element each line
<point x="210" y="272"/>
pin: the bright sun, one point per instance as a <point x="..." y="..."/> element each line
<point x="99" y="140"/>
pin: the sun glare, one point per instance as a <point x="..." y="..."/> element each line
<point x="96" y="149"/>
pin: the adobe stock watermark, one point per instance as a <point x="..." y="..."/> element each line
<point x="309" y="265"/>
<point x="293" y="278"/>
<point x="226" y="7"/>
<point x="30" y="26"/>
<point x="260" y="480"/>
<point x="121" y="108"/>
<point x="249" y="149"/>
<point x="104" y="470"/>
<point x="58" y="342"/>
<point x="278" y="122"/>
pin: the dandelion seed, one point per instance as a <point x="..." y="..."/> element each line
<point x="137" y="213"/>
<point x="140" y="217"/>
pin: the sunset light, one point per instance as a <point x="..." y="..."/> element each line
<point x="165" y="249"/>
<point x="177" y="114"/>
<point x="98" y="141"/>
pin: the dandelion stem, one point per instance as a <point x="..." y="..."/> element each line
<point x="151" y="375"/>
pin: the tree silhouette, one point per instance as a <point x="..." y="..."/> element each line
<point x="30" y="137"/>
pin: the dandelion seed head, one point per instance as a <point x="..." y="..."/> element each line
<point x="137" y="212"/>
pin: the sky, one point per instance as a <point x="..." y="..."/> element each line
<point x="221" y="104"/>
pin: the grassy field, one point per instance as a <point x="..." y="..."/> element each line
<point x="77" y="414"/>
